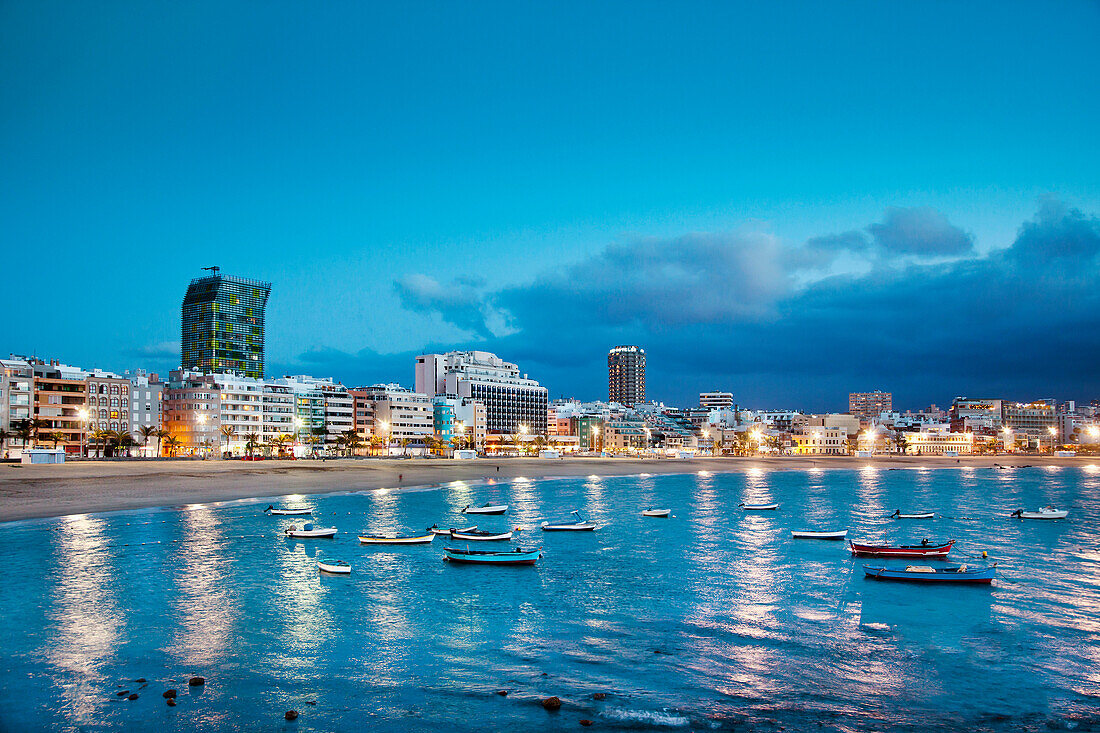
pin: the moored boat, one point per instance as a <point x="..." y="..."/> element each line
<point x="398" y="540"/>
<point x="811" y="535"/>
<point x="287" y="511"/>
<point x="656" y="512"/>
<point x="757" y="507"/>
<point x="308" y="531"/>
<point x="480" y="535"/>
<point x="581" y="526"/>
<point x="436" y="529"/>
<point x="914" y="515"/>
<point x="1047" y="512"/>
<point x="926" y="548"/>
<point x="486" y="509"/>
<point x="929" y="574"/>
<point x="517" y="556"/>
<point x="336" y="567"/>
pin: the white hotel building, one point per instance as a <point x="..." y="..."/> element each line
<point x="512" y="401"/>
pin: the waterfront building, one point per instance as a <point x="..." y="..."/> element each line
<point x="626" y="375"/>
<point x="222" y="321"/>
<point x="939" y="440"/>
<point x="821" y="440"/>
<point x="589" y="431"/>
<point x="471" y="419"/>
<point x="625" y="433"/>
<point x="1034" y="418"/>
<point x="716" y="400"/>
<point x="976" y="415"/>
<point x="16" y="398"/>
<point x="324" y="409"/>
<point x="850" y="424"/>
<point x="107" y="402"/>
<point x="510" y="400"/>
<point x="869" y="405"/>
<point x="443" y="419"/>
<point x="146" y="393"/>
<point x="363" y="413"/>
<point x="400" y="414"/>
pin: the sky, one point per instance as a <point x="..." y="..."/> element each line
<point x="787" y="201"/>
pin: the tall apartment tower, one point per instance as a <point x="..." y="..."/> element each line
<point x="869" y="405"/>
<point x="626" y="375"/>
<point x="223" y="325"/>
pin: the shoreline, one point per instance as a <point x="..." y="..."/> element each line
<point x="91" y="487"/>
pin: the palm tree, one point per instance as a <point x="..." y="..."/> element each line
<point x="351" y="440"/>
<point x="431" y="443"/>
<point x="899" y="441"/>
<point x="56" y="436"/>
<point x="251" y="443"/>
<point x="4" y="436"/>
<point x="173" y="444"/>
<point x="98" y="437"/>
<point x="162" y="435"/>
<point x="278" y="442"/>
<point x="147" y="431"/>
<point x="122" y="439"/>
<point x="27" y="430"/>
<point x="375" y="443"/>
<point x="228" y="431"/>
<point x="404" y="445"/>
<point x="540" y="442"/>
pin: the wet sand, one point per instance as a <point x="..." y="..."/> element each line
<point x="81" y="487"/>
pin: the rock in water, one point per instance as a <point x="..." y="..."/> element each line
<point x="291" y="715"/>
<point x="123" y="693"/>
<point x="585" y="722"/>
<point x="552" y="703"/>
<point x="195" y="681"/>
<point x="139" y="680"/>
<point x="171" y="702"/>
<point x="502" y="693"/>
<point x="168" y="693"/>
<point x="133" y="696"/>
<point x="599" y="695"/>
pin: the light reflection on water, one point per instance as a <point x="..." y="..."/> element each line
<point x="712" y="617"/>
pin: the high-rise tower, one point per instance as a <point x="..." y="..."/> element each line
<point x="626" y="375"/>
<point x="223" y="325"/>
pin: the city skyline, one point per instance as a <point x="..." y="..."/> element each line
<point x="775" y="213"/>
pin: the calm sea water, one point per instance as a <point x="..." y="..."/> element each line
<point x="711" y="620"/>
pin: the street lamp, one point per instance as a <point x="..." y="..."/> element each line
<point x="385" y="427"/>
<point x="1008" y="437"/>
<point x="83" y="414"/>
<point x="595" y="436"/>
<point x="202" y="434"/>
<point x="1053" y="434"/>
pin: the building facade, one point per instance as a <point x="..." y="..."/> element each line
<point x="222" y="321"/>
<point x="869" y="405"/>
<point x="626" y="375"/>
<point x="716" y="400"/>
<point x="512" y="401"/>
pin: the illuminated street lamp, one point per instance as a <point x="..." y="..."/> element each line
<point x="595" y="437"/>
<point x="1093" y="431"/>
<point x="385" y="429"/>
<point x="1008" y="437"/>
<point x="83" y="427"/>
<point x="1053" y="434"/>
<point x="202" y="433"/>
<point x="647" y="439"/>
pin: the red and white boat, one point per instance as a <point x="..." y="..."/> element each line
<point x="927" y="548"/>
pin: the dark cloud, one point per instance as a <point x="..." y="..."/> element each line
<point x="920" y="231"/>
<point x="460" y="302"/>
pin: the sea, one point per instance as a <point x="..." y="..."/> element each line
<point x="713" y="619"/>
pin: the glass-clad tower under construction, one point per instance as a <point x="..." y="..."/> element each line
<point x="223" y="325"/>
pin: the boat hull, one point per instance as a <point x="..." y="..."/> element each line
<point x="419" y="540"/>
<point x="922" y="515"/>
<point x="657" y="513"/>
<point x="289" y="512"/>
<point x="481" y="537"/>
<point x="803" y="535"/>
<point x="931" y="550"/>
<point x="474" y="557"/>
<point x="492" y="510"/>
<point x="334" y="569"/>
<point x="979" y="576"/>
<point x="434" y="529"/>
<point x="1043" y="515"/>
<point x="578" y="527"/>
<point x="312" y="534"/>
<point x="759" y="507"/>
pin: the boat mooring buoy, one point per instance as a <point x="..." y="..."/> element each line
<point x="985" y="554"/>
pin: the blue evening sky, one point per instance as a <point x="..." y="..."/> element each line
<point x="786" y="200"/>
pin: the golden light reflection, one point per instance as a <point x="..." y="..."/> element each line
<point x="307" y="625"/>
<point x="85" y="612"/>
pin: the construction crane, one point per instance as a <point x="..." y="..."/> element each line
<point x="215" y="270"/>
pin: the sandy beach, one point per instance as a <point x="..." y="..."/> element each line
<point x="28" y="492"/>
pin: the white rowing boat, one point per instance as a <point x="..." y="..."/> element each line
<point x="336" y="567"/>
<point x="1047" y="512"/>
<point x="288" y="512"/>
<point x="480" y="535"/>
<point x="308" y="531"/>
<point x="656" y="512"/>
<point x="916" y="515"/>
<point x="436" y="529"/>
<point x="417" y="540"/>
<point x="808" y="535"/>
<point x="758" y="507"/>
<point x="486" y="509"/>
<point x="569" y="527"/>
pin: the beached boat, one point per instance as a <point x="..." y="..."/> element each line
<point x="518" y="556"/>
<point x="914" y="515"/>
<point x="336" y="567"/>
<point x="308" y="531"/>
<point x="288" y="511"/>
<point x="486" y="509"/>
<point x="656" y="512"/>
<point x="757" y="507"/>
<point x="479" y="535"/>
<point x="579" y="526"/>
<point x="1047" y="512"/>
<point x="422" y="539"/>
<point x="929" y="574"/>
<point x="926" y="548"/>
<point x="810" y="535"/>
<point x="436" y="529"/>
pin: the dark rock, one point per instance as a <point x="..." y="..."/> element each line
<point x="291" y="715"/>
<point x="502" y="693"/>
<point x="599" y="695"/>
<point x="168" y="693"/>
<point x="171" y="702"/>
<point x="139" y="680"/>
<point x="586" y="722"/>
<point x="133" y="696"/>
<point x="123" y="693"/>
<point x="195" y="681"/>
<point x="311" y="702"/>
<point x="552" y="703"/>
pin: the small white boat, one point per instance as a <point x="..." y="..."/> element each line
<point x="479" y="535"/>
<point x="1047" y="512"/>
<point x="418" y="540"/>
<point x="916" y="515"/>
<point x="656" y="512"/>
<point x="569" y="527"/>
<point x="288" y="512"/>
<point x="486" y="509"/>
<point x="308" y="531"/>
<point x="808" y="535"/>
<point x="336" y="567"/>
<point x="436" y="529"/>
<point x="758" y="507"/>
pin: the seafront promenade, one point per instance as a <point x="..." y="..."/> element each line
<point x="28" y="492"/>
